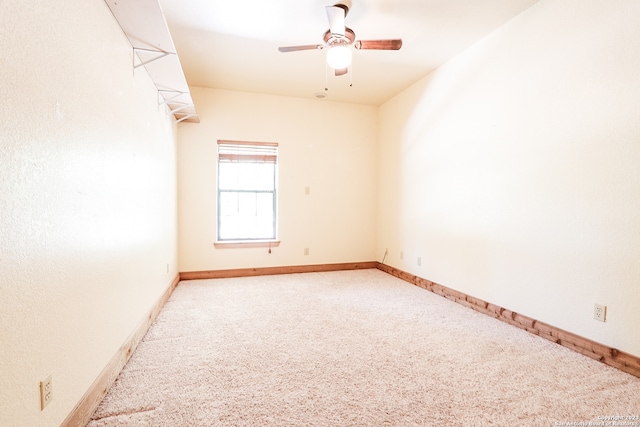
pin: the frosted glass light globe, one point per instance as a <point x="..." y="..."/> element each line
<point x="339" y="57"/>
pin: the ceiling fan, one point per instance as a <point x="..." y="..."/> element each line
<point x="338" y="39"/>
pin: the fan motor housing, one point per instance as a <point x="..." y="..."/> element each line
<point x="348" y="38"/>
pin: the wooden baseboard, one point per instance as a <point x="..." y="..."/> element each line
<point x="265" y="271"/>
<point x="82" y="412"/>
<point x="624" y="361"/>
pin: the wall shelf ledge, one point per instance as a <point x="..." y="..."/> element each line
<point x="145" y="26"/>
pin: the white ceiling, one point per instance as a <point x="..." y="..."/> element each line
<point x="233" y="45"/>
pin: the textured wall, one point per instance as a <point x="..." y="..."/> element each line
<point x="326" y="146"/>
<point x="88" y="222"/>
<point x="512" y="171"/>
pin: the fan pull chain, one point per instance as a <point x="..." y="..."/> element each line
<point x="326" y="76"/>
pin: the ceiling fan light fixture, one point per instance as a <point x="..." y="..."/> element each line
<point x="339" y="57"/>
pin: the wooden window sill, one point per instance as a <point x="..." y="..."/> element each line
<point x="232" y="244"/>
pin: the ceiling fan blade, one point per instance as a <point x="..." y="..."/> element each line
<point x="296" y="48"/>
<point x="341" y="71"/>
<point x="336" y="15"/>
<point x="393" y="44"/>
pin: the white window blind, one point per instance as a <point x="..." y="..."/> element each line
<point x="240" y="151"/>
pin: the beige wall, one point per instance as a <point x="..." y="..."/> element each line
<point x="512" y="171"/>
<point x="88" y="217"/>
<point x="326" y="146"/>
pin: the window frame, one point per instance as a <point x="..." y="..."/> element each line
<point x="229" y="151"/>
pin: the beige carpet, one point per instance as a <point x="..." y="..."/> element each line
<point x="351" y="348"/>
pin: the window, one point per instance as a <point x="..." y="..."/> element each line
<point x="247" y="184"/>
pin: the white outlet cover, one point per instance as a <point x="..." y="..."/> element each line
<point x="46" y="392"/>
<point x="600" y="312"/>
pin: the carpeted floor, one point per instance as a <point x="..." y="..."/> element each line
<point x="350" y="348"/>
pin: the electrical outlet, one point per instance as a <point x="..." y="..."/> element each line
<point x="401" y="255"/>
<point x="419" y="261"/>
<point x="46" y="392"/>
<point x="600" y="312"/>
<point x="306" y="251"/>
